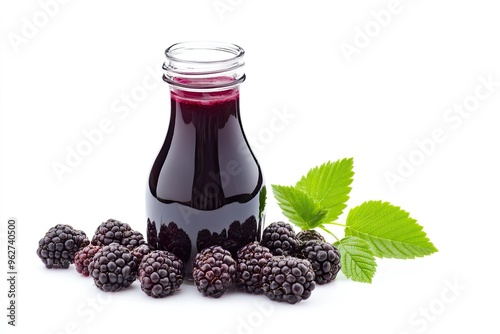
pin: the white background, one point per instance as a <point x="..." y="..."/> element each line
<point x="65" y="76"/>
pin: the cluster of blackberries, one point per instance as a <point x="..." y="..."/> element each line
<point x="283" y="266"/>
<point x="308" y="245"/>
<point x="115" y="257"/>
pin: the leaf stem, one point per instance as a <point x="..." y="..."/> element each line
<point x="329" y="232"/>
<point x="335" y="223"/>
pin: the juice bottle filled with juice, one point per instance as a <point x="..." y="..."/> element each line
<point x="205" y="187"/>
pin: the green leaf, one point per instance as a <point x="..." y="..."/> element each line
<point x="297" y="206"/>
<point x="329" y="185"/>
<point x="356" y="258"/>
<point x="262" y="200"/>
<point x="389" y="230"/>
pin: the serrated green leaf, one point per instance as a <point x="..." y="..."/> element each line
<point x="329" y="185"/>
<point x="297" y="206"/>
<point x="357" y="260"/>
<point x="389" y="230"/>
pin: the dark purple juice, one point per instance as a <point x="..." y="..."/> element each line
<point x="205" y="186"/>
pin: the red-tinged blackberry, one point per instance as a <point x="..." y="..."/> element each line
<point x="250" y="259"/>
<point x="306" y="235"/>
<point x="280" y="238"/>
<point x="213" y="271"/>
<point x="288" y="279"/>
<point x="58" y="247"/>
<point x="113" y="268"/>
<point x="83" y="258"/>
<point x="161" y="273"/>
<point x="114" y="230"/>
<point x="324" y="258"/>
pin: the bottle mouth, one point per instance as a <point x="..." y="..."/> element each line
<point x="204" y="66"/>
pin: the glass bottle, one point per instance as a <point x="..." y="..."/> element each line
<point x="206" y="186"/>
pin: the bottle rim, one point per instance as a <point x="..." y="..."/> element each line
<point x="204" y="65"/>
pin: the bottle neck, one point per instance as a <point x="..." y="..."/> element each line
<point x="205" y="97"/>
<point x="204" y="71"/>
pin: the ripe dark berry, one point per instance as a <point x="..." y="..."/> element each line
<point x="288" y="279"/>
<point x="113" y="268"/>
<point x="280" y="238"/>
<point x="324" y="258"/>
<point x="161" y="273"/>
<point x="213" y="271"/>
<point x="83" y="258"/>
<point x="306" y="235"/>
<point x="250" y="261"/>
<point x="58" y="247"/>
<point x="114" y="230"/>
<point x="132" y="239"/>
<point x="140" y="251"/>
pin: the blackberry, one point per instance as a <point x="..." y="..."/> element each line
<point x="113" y="267"/>
<point x="133" y="239"/>
<point x="288" y="279"/>
<point x="250" y="261"/>
<point x="114" y="230"/>
<point x="280" y="238"/>
<point x="83" y="258"/>
<point x="213" y="271"/>
<point x="306" y="235"/>
<point x="161" y="273"/>
<point x="110" y="231"/>
<point x="140" y="251"/>
<point x="58" y="247"/>
<point x="324" y="258"/>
